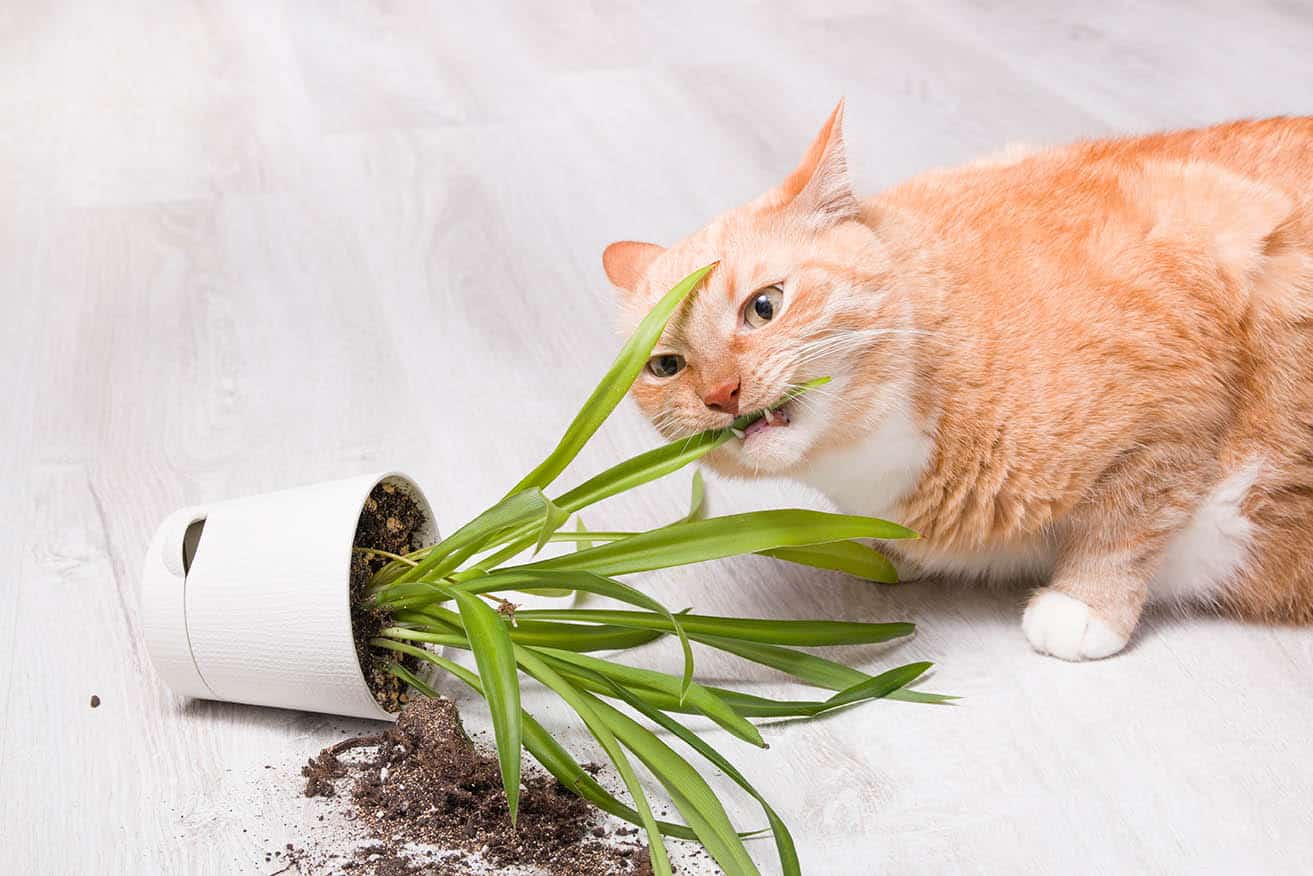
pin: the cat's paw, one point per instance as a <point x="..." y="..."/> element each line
<point x="1065" y="627"/>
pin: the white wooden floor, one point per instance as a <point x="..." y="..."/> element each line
<point x="244" y="246"/>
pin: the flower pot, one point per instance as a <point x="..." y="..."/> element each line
<point x="248" y="600"/>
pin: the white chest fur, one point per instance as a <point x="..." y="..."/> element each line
<point x="872" y="475"/>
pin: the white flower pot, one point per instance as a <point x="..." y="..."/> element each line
<point x="247" y="600"/>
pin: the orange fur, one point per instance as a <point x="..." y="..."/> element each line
<point x="1090" y="338"/>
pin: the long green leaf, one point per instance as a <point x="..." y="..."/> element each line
<point x="687" y="788"/>
<point x="850" y="557"/>
<point x="696" y="695"/>
<point x="784" y="844"/>
<point x="880" y="685"/>
<point x="580" y="637"/>
<point x="643" y="468"/>
<point x="584" y="542"/>
<point x="541" y="744"/>
<point x="775" y="632"/>
<point x="697" y="503"/>
<point x="745" y="705"/>
<point x="571" y="637"/>
<point x="696" y="541"/>
<point x="627" y="475"/>
<point x="528" y="578"/>
<point x="907" y="695"/>
<point x="583" y="705"/>
<point x="661" y="461"/>
<point x="813" y="670"/>
<point x="525" y="508"/>
<point x="884" y="686"/>
<point x="751" y="706"/>
<point x="614" y="384"/>
<point x="806" y="667"/>
<point x="841" y="556"/>
<point x="428" y="637"/>
<point x="553" y="519"/>
<point x="494" y="653"/>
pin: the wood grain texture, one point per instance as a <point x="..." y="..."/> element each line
<point x="244" y="246"/>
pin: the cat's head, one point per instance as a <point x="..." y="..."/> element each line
<point x="796" y="295"/>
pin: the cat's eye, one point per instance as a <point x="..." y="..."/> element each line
<point x="763" y="306"/>
<point x="665" y="365"/>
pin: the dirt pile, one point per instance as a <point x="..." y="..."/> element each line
<point x="430" y="802"/>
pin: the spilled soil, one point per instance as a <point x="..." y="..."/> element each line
<point x="424" y="799"/>
<point x="420" y="797"/>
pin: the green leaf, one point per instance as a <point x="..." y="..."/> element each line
<point x="806" y="667"/>
<point x="545" y="749"/>
<point x="426" y="618"/>
<point x="750" y="706"/>
<point x="494" y="654"/>
<point x="775" y="632"/>
<point x="745" y="705"/>
<point x="584" y="706"/>
<point x="697" y="501"/>
<point x="687" y="788"/>
<point x="412" y="594"/>
<point x="784" y="845"/>
<point x="571" y="637"/>
<point x="579" y="637"/>
<point x="643" y="468"/>
<point x="813" y="670"/>
<point x="880" y="685"/>
<point x="664" y="460"/>
<point x="695" y="695"/>
<point x="851" y="557"/>
<point x="523" y="508"/>
<point x="614" y="384"/>
<point x="619" y="478"/>
<point x="554" y="518"/>
<point x="920" y="696"/>
<point x="583" y="544"/>
<point x="535" y="579"/>
<point x="429" y="637"/>
<point x="695" y="541"/>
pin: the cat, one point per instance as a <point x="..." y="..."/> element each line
<point x="1089" y="366"/>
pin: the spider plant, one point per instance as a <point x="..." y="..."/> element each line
<point x="460" y="592"/>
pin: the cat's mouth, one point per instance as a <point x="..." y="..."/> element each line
<point x="774" y="417"/>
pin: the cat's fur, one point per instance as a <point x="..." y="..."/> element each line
<point x="1091" y="364"/>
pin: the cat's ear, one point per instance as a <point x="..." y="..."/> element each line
<point x="626" y="261"/>
<point x="819" y="186"/>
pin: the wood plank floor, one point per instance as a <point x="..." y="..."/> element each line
<point x="249" y="245"/>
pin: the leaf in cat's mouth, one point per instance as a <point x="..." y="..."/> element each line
<point x="769" y="420"/>
<point x="774" y="417"/>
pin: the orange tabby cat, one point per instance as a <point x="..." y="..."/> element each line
<point x="1090" y="364"/>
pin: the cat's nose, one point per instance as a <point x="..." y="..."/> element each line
<point x="723" y="397"/>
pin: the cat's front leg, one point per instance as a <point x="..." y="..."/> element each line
<point x="1080" y="619"/>
<point x="1089" y="609"/>
<point x="1108" y="550"/>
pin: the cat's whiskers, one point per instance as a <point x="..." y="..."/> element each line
<point x="839" y="341"/>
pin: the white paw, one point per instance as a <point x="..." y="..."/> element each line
<point x="1065" y="627"/>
